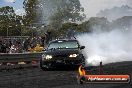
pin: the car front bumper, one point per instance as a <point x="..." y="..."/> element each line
<point x="62" y="61"/>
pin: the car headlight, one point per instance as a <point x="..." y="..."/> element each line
<point x="73" y="55"/>
<point x="47" y="57"/>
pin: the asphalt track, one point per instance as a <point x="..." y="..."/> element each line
<point x="36" y="78"/>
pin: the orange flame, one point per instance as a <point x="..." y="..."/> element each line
<point x="81" y="71"/>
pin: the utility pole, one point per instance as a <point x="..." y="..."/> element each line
<point x="7" y="32"/>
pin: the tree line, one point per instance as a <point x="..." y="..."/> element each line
<point x="62" y="22"/>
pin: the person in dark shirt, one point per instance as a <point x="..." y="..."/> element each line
<point x="0" y="46"/>
<point x="3" y="48"/>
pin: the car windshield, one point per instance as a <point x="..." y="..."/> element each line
<point x="63" y="45"/>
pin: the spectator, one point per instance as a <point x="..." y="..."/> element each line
<point x="18" y="46"/>
<point x="3" y="48"/>
<point x="0" y="46"/>
<point x="26" y="44"/>
<point x="13" y="49"/>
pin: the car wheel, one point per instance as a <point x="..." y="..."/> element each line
<point x="45" y="67"/>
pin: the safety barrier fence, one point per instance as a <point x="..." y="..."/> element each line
<point x="17" y="60"/>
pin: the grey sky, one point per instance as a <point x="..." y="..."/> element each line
<point x="92" y="7"/>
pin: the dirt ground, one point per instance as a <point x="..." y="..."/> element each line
<point x="36" y="78"/>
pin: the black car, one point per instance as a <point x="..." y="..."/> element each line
<point x="62" y="52"/>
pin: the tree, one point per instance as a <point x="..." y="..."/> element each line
<point x="29" y="6"/>
<point x="10" y="23"/>
<point x="95" y="24"/>
<point x="122" y="23"/>
<point x="67" y="11"/>
<point x="70" y="26"/>
<point x="60" y="11"/>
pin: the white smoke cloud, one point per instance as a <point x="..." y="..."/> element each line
<point x="92" y="7"/>
<point x="108" y="47"/>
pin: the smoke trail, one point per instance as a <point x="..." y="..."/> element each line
<point x="108" y="47"/>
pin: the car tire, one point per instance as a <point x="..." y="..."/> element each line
<point x="46" y="68"/>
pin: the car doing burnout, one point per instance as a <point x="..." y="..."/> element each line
<point x="62" y="52"/>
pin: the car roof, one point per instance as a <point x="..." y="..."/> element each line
<point x="53" y="41"/>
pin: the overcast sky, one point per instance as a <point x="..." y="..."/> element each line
<point x="92" y="7"/>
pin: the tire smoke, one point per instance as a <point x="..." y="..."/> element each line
<point x="108" y="47"/>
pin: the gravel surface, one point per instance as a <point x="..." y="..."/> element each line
<point x="36" y="78"/>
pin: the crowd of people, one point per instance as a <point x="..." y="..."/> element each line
<point x="20" y="45"/>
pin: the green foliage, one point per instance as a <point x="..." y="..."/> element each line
<point x="95" y="23"/>
<point x="29" y="6"/>
<point x="69" y="26"/>
<point x="122" y="23"/>
<point x="85" y="27"/>
<point x="10" y="23"/>
<point x="67" y="11"/>
<point x="7" y="11"/>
